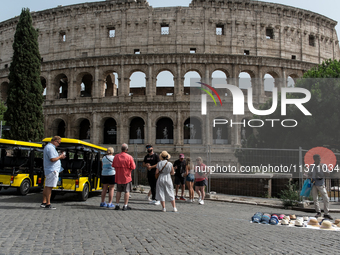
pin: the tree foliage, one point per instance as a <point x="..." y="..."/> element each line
<point x="320" y="129"/>
<point x="24" y="102"/>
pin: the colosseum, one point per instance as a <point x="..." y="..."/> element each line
<point x="91" y="52"/>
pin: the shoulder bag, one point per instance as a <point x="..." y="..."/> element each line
<point x="157" y="175"/>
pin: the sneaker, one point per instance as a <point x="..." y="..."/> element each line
<point x="111" y="206"/>
<point x="152" y="202"/>
<point x="103" y="204"/>
<point x="43" y="205"/>
<point x="176" y="198"/>
<point x="50" y="207"/>
<point x="157" y="203"/>
<point x="126" y="207"/>
<point x="117" y="207"/>
<point x="327" y="216"/>
<point x="175" y="209"/>
<point x="201" y="202"/>
<point x="163" y="210"/>
<point x="318" y="214"/>
<point x="182" y="198"/>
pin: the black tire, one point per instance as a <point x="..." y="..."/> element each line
<point x="24" y="187"/>
<point x="0" y="188"/>
<point x="84" y="195"/>
<point x="53" y="194"/>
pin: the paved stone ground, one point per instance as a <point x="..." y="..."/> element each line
<point x="85" y="228"/>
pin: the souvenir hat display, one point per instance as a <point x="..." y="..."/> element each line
<point x="294" y="221"/>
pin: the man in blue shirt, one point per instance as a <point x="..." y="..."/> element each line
<point x="52" y="167"/>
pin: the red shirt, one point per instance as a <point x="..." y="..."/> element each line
<point x="200" y="172"/>
<point x="123" y="164"/>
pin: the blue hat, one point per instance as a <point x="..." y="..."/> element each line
<point x="274" y="220"/>
<point x="257" y="217"/>
<point x="265" y="218"/>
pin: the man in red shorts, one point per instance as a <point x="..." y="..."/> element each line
<point x="123" y="164"/>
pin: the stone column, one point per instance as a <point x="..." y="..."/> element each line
<point x="50" y="86"/>
<point x="95" y="128"/>
<point x="95" y="90"/>
<point x="178" y="81"/>
<point x="150" y="82"/>
<point x="148" y="130"/>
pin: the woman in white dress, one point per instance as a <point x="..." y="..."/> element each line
<point x="164" y="187"/>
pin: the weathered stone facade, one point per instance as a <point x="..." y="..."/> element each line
<point x="83" y="45"/>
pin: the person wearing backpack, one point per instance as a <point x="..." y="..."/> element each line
<point x="108" y="178"/>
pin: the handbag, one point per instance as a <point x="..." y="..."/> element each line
<point x="306" y="189"/>
<point x="157" y="175"/>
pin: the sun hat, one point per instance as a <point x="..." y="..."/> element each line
<point x="257" y="217"/>
<point x="299" y="223"/>
<point x="337" y="221"/>
<point x="292" y="216"/>
<point x="287" y="217"/>
<point x="265" y="218"/>
<point x="281" y="216"/>
<point x="338" y="225"/>
<point x="313" y="222"/>
<point x="305" y="218"/>
<point x="165" y="155"/>
<point x="285" y="221"/>
<point x="274" y="220"/>
<point x="327" y="225"/>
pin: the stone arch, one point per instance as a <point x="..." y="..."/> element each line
<point x="85" y="84"/>
<point x="136" y="130"/>
<point x="165" y="83"/>
<point x="291" y="80"/>
<point x="137" y="83"/>
<point x="221" y="133"/>
<point x="110" y="84"/>
<point x="59" y="127"/>
<point x="164" y="131"/>
<point x="61" y="87"/>
<point x="191" y="76"/>
<point x="4" y="91"/>
<point x="192" y="130"/>
<point x="110" y="131"/>
<point x="44" y="85"/>
<point x="245" y="79"/>
<point x="83" y="126"/>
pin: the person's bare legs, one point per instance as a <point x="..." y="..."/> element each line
<point x="111" y="191"/>
<point x="163" y="204"/>
<point x="104" y="192"/>
<point x="202" y="191"/>
<point x="47" y="195"/>
<point x="177" y="187"/>
<point x="126" y="198"/>
<point x="118" y="194"/>
<point x="183" y="188"/>
<point x="198" y="191"/>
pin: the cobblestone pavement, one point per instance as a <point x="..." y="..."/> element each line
<point x="85" y="228"/>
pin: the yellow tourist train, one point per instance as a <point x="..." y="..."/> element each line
<point x="21" y="165"/>
<point x="82" y="168"/>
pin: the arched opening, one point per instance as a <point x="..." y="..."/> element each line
<point x="190" y="79"/>
<point x="219" y="78"/>
<point x="43" y="84"/>
<point x="85" y="130"/>
<point x="86" y="86"/>
<point x="61" y="129"/>
<point x="137" y="84"/>
<point x="137" y="130"/>
<point x="4" y="90"/>
<point x="164" y="131"/>
<point x="290" y="82"/>
<point x="110" y="131"/>
<point x="111" y="85"/>
<point x="268" y="83"/>
<point x="192" y="131"/>
<point x="61" y="89"/>
<point x="220" y="133"/>
<point x="244" y="81"/>
<point x="165" y="85"/>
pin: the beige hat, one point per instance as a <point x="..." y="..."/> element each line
<point x="327" y="225"/>
<point x="165" y="155"/>
<point x="313" y="222"/>
<point x="292" y="216"/>
<point x="305" y="218"/>
<point x="299" y="222"/>
<point x="337" y="221"/>
<point x="284" y="221"/>
<point x="320" y="219"/>
<point x="287" y="218"/>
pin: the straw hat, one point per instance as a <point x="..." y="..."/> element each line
<point x="313" y="222"/>
<point x="337" y="221"/>
<point x="287" y="218"/>
<point x="327" y="225"/>
<point x="305" y="218"/>
<point x="338" y="225"/>
<point x="292" y="216"/>
<point x="299" y="223"/>
<point x="284" y="222"/>
<point x="165" y="155"/>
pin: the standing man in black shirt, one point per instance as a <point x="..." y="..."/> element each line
<point x="150" y="162"/>
<point x="179" y="167"/>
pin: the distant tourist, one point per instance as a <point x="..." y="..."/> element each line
<point x="164" y="188"/>
<point x="150" y="162"/>
<point x="108" y="178"/>
<point x="201" y="178"/>
<point x="190" y="178"/>
<point x="52" y="167"/>
<point x="123" y="164"/>
<point x="179" y="166"/>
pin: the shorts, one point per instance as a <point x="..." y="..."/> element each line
<point x="124" y="187"/>
<point x="201" y="183"/>
<point x="52" y="179"/>
<point x="190" y="178"/>
<point x="179" y="180"/>
<point x="108" y="179"/>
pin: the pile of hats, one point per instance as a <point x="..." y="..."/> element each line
<point x="293" y="220"/>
